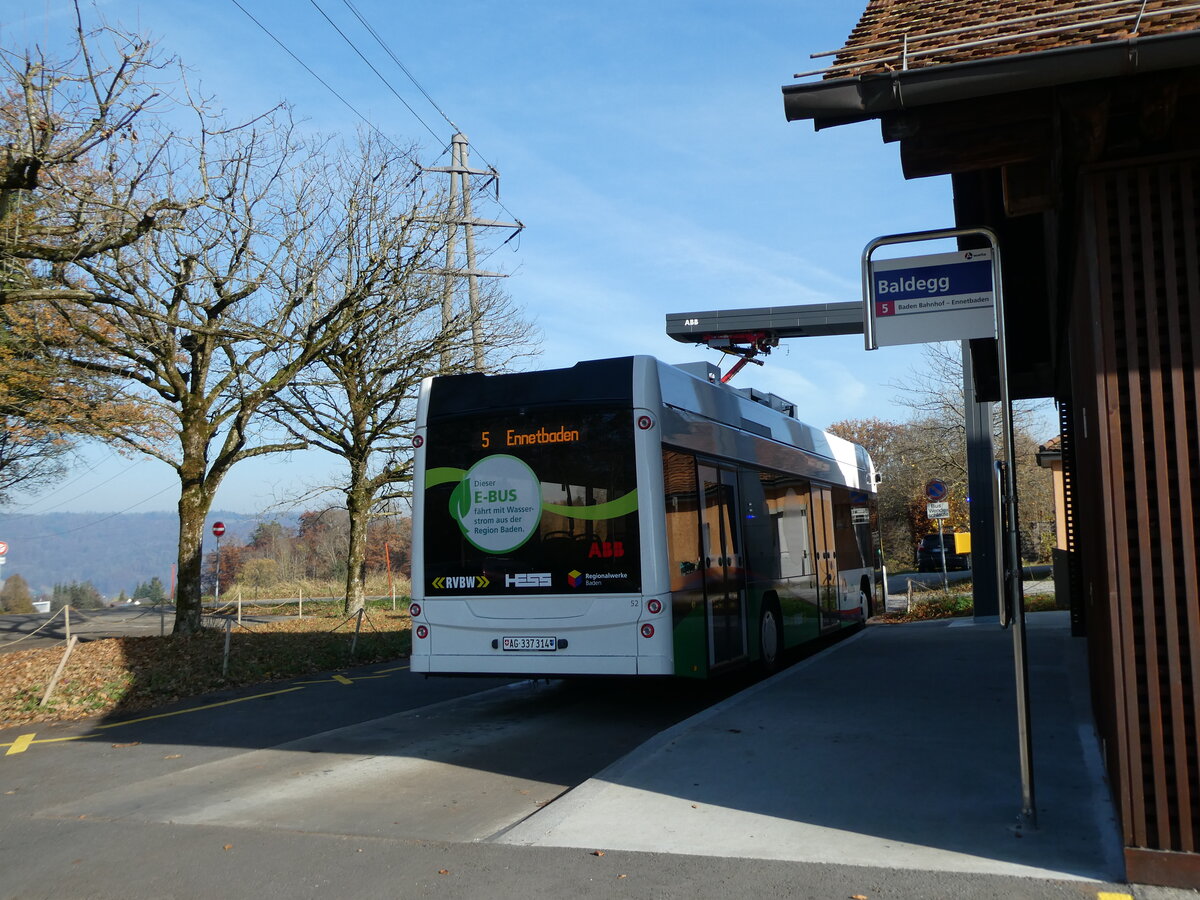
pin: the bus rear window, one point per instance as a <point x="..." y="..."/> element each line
<point x="540" y="502"/>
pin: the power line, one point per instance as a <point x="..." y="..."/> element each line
<point x="91" y="489"/>
<point x="310" y="71"/>
<point x="70" y="481"/>
<point x="103" y="519"/>
<point x="379" y="74"/>
<point x="403" y="68"/>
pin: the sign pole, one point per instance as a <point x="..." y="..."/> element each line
<point x="218" y="529"/>
<point x="942" y="542"/>
<point x="1012" y="586"/>
<point x="217" y="589"/>
<point x="915" y="289"/>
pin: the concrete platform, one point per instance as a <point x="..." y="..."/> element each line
<point x="896" y="748"/>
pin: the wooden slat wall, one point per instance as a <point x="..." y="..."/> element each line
<point x="1137" y="532"/>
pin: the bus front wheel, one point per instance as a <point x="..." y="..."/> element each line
<point x="770" y="637"/>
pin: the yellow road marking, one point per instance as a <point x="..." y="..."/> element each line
<point x="21" y="744"/>
<point x="74" y="737"/>
<point x="180" y="712"/>
<point x="25" y="741"/>
<point x="1109" y="895"/>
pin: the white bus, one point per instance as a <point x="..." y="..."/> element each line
<point x="629" y="517"/>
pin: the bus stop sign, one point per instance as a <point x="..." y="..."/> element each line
<point x="921" y="299"/>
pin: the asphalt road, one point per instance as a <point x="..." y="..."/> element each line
<point x="32" y="630"/>
<point x="370" y="755"/>
<point x="373" y="782"/>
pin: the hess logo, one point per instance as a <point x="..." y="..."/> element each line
<point x="606" y="550"/>
<point x="528" y="580"/>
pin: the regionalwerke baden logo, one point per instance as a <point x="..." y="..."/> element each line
<point x="574" y="578"/>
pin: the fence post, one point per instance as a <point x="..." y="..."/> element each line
<point x="239" y="606"/>
<point x="357" y="628"/>
<point x="909" y="608"/>
<point x="301" y="613"/>
<point x="67" y="619"/>
<point x="62" y="664"/>
<point x="225" y="661"/>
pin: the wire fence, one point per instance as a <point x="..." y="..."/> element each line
<point x="62" y="612"/>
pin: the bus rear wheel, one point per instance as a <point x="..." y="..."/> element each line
<point x="770" y="637"/>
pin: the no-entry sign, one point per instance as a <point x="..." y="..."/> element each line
<point x="218" y="528"/>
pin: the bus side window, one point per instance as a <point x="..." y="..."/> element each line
<point x="682" y="519"/>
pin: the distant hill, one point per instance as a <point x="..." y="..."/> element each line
<point x="113" y="552"/>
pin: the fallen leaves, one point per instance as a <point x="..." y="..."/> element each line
<point x="597" y="853"/>
<point x="134" y="673"/>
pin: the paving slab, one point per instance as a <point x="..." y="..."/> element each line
<point x="896" y="748"/>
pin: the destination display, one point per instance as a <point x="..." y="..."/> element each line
<point x="531" y="502"/>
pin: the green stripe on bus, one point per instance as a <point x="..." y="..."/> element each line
<point x="612" y="509"/>
<point x="434" y="477"/>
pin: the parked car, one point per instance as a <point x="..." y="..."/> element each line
<point x="930" y="550"/>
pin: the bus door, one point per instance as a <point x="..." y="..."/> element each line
<point x="826" y="556"/>
<point x="724" y="572"/>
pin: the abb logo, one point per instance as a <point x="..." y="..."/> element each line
<point x="606" y="550"/>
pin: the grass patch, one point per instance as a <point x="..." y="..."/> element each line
<point x="134" y="673"/>
<point x="953" y="604"/>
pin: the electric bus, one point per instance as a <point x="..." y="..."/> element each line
<point x="629" y="517"/>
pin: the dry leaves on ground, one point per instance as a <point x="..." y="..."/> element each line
<point x="132" y="673"/>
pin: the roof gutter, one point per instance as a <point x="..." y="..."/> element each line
<point x="837" y="101"/>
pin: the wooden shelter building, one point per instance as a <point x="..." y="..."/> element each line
<point x="1072" y="129"/>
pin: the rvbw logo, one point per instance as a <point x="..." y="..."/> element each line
<point x="460" y="582"/>
<point x="528" y="580"/>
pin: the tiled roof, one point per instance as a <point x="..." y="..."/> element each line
<point x="897" y="34"/>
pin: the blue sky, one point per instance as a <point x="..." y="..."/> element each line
<point x="643" y="145"/>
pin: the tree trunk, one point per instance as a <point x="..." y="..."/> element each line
<point x="193" y="507"/>
<point x="358" y="506"/>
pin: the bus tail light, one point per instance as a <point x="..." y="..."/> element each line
<point x="414" y="610"/>
<point x="422" y="632"/>
<point x="654" y="606"/>
<point x="647" y="630"/>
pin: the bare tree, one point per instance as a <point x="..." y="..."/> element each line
<point x="936" y="442"/>
<point x="358" y="398"/>
<point x="214" y="316"/>
<point x="84" y="168"/>
<point x="84" y="162"/>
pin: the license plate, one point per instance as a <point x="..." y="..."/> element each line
<point x="529" y="643"/>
